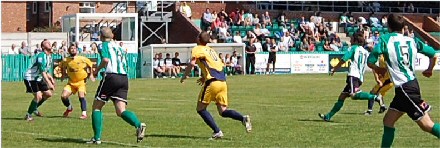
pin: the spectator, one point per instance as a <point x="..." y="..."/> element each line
<point x="95" y="37"/>
<point x="405" y="30"/>
<point x="25" y="50"/>
<point x="185" y="9"/>
<point x="94" y="47"/>
<point x="223" y="14"/>
<point x="312" y="44"/>
<point x="318" y="19"/>
<point x="215" y="24"/>
<point x="305" y="44"/>
<point x="233" y="17"/>
<point x="250" y="36"/>
<point x="287" y="40"/>
<point x="234" y="63"/>
<point x="248" y="18"/>
<point x="214" y="16"/>
<point x="63" y="48"/>
<point x="220" y="55"/>
<point x="55" y="47"/>
<point x="257" y="31"/>
<point x="177" y="64"/>
<point x="237" y="38"/>
<point x="362" y="22"/>
<point x="258" y="46"/>
<point x="13" y="50"/>
<point x="343" y="20"/>
<point x="250" y="58"/>
<point x="38" y="49"/>
<point x="169" y="67"/>
<point x="282" y="18"/>
<point x="374" y="21"/>
<point x="384" y="21"/>
<point x="266" y="45"/>
<point x="266" y="19"/>
<point x="241" y="21"/>
<point x="206" y="19"/>
<point x="84" y="48"/>
<point x="265" y="31"/>
<point x="157" y="66"/>
<point x="327" y="46"/>
<point x="411" y="33"/>
<point x="80" y="50"/>
<point x="411" y="8"/>
<point x="376" y="38"/>
<point x="228" y="64"/>
<point x="256" y="20"/>
<point x="336" y="42"/>
<point x="223" y="33"/>
<point x="273" y="49"/>
<point x="321" y="34"/>
<point x="281" y="46"/>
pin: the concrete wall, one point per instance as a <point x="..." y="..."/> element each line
<point x="30" y="38"/>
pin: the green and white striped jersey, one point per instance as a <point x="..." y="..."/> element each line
<point x="358" y="60"/>
<point x="117" y="58"/>
<point x="43" y="62"/>
<point x="400" y="54"/>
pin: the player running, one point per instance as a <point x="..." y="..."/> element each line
<point x="400" y="54"/>
<point x="358" y="56"/>
<point x="76" y="67"/>
<point x="113" y="86"/>
<point x="38" y="81"/>
<point x="383" y="85"/>
<point x="214" y="85"/>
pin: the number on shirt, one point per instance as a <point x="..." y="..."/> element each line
<point x="213" y="55"/>
<point x="403" y="50"/>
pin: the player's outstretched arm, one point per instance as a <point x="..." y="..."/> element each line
<point x="334" y="69"/>
<point x="188" y="69"/>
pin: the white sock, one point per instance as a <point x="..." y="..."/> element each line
<point x="84" y="112"/>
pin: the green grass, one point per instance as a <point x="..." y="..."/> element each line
<point x="283" y="108"/>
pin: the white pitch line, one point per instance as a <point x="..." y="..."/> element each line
<point x="46" y="135"/>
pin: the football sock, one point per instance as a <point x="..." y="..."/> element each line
<point x="83" y="104"/>
<point x="370" y="104"/>
<point x="232" y="114"/>
<point x="32" y="107"/>
<point x="208" y="120"/>
<point x="388" y="136"/>
<point x="436" y="130"/>
<point x="66" y="102"/>
<point x="131" y="118"/>
<point x="364" y="96"/>
<point x="97" y="124"/>
<point x="41" y="102"/>
<point x="338" y="105"/>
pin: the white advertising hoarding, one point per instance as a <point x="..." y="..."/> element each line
<point x="422" y="62"/>
<point x="309" y="63"/>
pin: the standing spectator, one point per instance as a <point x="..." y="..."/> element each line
<point x="266" y="45"/>
<point x="186" y="10"/>
<point x="25" y="50"/>
<point x="84" y="48"/>
<point x="63" y="48"/>
<point x="411" y="8"/>
<point x="343" y="19"/>
<point x="37" y="49"/>
<point x="273" y="48"/>
<point x="411" y="33"/>
<point x="258" y="46"/>
<point x="228" y="64"/>
<point x="13" y="49"/>
<point x="250" y="58"/>
<point x="234" y="63"/>
<point x="55" y="47"/>
<point x="405" y="30"/>
<point x="206" y="19"/>
<point x="94" y="48"/>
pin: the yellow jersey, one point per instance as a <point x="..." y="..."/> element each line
<point x="383" y="64"/>
<point x="76" y="68"/>
<point x="209" y="62"/>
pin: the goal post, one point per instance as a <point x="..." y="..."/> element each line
<point x="148" y="52"/>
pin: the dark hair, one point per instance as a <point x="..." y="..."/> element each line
<point x="358" y="38"/>
<point x="204" y="37"/>
<point x="395" y="22"/>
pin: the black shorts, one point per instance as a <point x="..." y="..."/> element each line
<point x="409" y="100"/>
<point x="353" y="85"/>
<point x="114" y="86"/>
<point x="35" y="86"/>
<point x="272" y="58"/>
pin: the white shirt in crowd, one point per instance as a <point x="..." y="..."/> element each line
<point x="15" y="51"/>
<point x="258" y="47"/>
<point x="237" y="39"/>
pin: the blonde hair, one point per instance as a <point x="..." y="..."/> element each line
<point x="107" y="33"/>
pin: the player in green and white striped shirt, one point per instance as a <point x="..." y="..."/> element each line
<point x="400" y="54"/>
<point x="357" y="55"/>
<point x="38" y="81"/>
<point x="114" y="86"/>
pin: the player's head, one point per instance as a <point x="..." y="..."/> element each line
<point x="45" y="45"/>
<point x="395" y="22"/>
<point x="106" y="34"/>
<point x="358" y="39"/>
<point x="203" y="38"/>
<point x="72" y="50"/>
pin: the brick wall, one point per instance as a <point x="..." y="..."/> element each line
<point x="14" y="16"/>
<point x="182" y="30"/>
<point x="425" y="35"/>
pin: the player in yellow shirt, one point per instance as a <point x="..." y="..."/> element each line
<point x="214" y="85"/>
<point x="76" y="68"/>
<point x="383" y="85"/>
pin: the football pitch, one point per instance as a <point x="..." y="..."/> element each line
<point x="283" y="109"/>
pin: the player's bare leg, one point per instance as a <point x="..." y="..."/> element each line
<point x="65" y="99"/>
<point x="83" y="102"/>
<point x="427" y="125"/>
<point x="389" y="120"/>
<point x="130" y="118"/>
<point x="207" y="118"/>
<point x="228" y="113"/>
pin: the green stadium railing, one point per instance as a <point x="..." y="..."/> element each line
<point x="14" y="66"/>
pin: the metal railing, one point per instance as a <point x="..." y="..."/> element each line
<point x="303" y="6"/>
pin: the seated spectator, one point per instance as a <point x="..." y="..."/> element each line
<point x="362" y="22"/>
<point x="214" y="16"/>
<point x="322" y="34"/>
<point x="169" y="67"/>
<point x="266" y="19"/>
<point x="282" y="18"/>
<point x="206" y="19"/>
<point x="157" y="66"/>
<point x="312" y="45"/>
<point x="328" y="47"/>
<point x="237" y="38"/>
<point x="250" y="36"/>
<point x="281" y="46"/>
<point x="258" y="46"/>
<point x="411" y="33"/>
<point x="241" y="21"/>
<point x="256" y="20"/>
<point x="258" y="33"/>
<point x="305" y="44"/>
<point x="223" y="34"/>
<point x="287" y="40"/>
<point x="229" y="65"/>
<point x="265" y="31"/>
<point x="405" y="30"/>
<point x="216" y="24"/>
<point x="336" y="42"/>
<point x="248" y="19"/>
<point x="177" y="64"/>
<point x="374" y="21"/>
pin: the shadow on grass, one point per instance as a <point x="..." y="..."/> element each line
<point x="13" y="118"/>
<point x="63" y="140"/>
<point x="54" y="117"/>
<point x="348" y="113"/>
<point x="315" y="120"/>
<point x="175" y="136"/>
